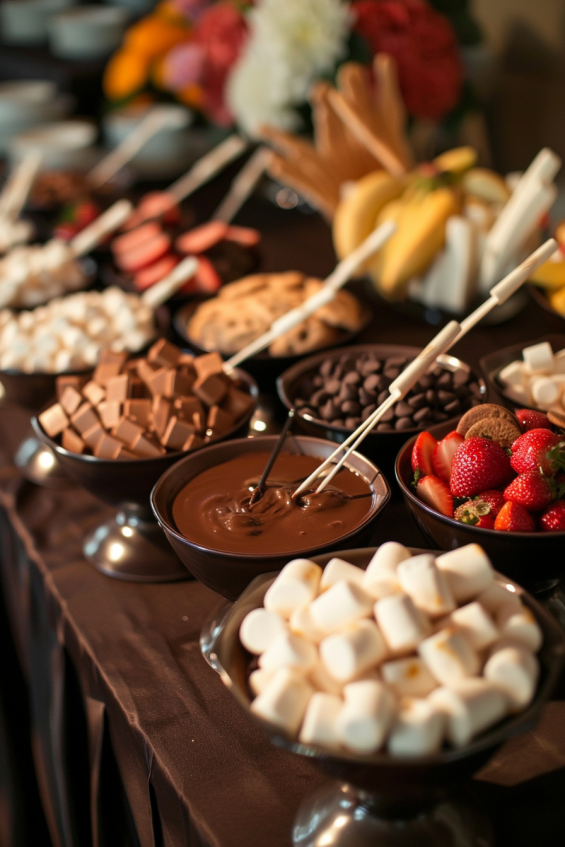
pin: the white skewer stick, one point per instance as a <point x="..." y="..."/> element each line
<point x="243" y="185"/>
<point x="18" y="185"/>
<point x="207" y="167"/>
<point x="156" y="120"/>
<point x="398" y="389"/>
<point x="344" y="270"/>
<point x="104" y="224"/>
<point x="161" y="291"/>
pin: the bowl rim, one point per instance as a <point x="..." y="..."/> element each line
<point x="375" y="510"/>
<point x="489" y="738"/>
<point x="298" y="370"/>
<point x="451" y="522"/>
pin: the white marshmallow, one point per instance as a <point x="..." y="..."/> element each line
<point x="288" y="651"/>
<point x="338" y="569"/>
<point x="259" y="629"/>
<point x="519" y="393"/>
<point x="495" y="595"/>
<point x="468" y="571"/>
<point x="301" y="623"/>
<point x="296" y="585"/>
<point x="258" y="679"/>
<point x="422" y="580"/>
<point x="417" y="730"/>
<point x="449" y="656"/>
<point x="538" y="358"/>
<point x="513" y="374"/>
<point x="320" y="720"/>
<point x="401" y="623"/>
<point x="520" y="626"/>
<point x="559" y="362"/>
<point x="408" y="677"/>
<point x="476" y="625"/>
<point x="283" y="700"/>
<point x="516" y="671"/>
<point x="352" y="651"/>
<point x="365" y="717"/>
<point x="545" y="392"/>
<point x="470" y="706"/>
<point x="322" y="680"/>
<point x="380" y="577"/>
<point x="339" y="606"/>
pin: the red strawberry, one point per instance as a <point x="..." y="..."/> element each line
<point x="475" y="513"/>
<point x="436" y="494"/>
<point x="531" y="490"/>
<point x="514" y="518"/>
<point x="147" y="277"/>
<point x="86" y="212"/>
<point x="422" y="453"/>
<point x="495" y="499"/>
<point x="443" y="455"/>
<point x="553" y="519"/>
<point x="535" y="449"/>
<point x="479" y="463"/>
<point x="528" y="419"/>
<point x="201" y="238"/>
<point x="135" y="237"/>
<point x="144" y="254"/>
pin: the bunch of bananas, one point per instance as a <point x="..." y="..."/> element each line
<point x="551" y="275"/>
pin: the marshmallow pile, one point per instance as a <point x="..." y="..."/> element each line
<point x="408" y="654"/>
<point x="538" y="380"/>
<point x="14" y="232"/>
<point x="69" y="332"/>
<point x="34" y="274"/>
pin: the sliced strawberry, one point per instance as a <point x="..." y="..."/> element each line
<point x="532" y="490"/>
<point x="443" y="455"/>
<point x="538" y="448"/>
<point x="133" y="238"/>
<point x="529" y="419"/>
<point x="243" y="235"/>
<point x="66" y="230"/>
<point x="475" y="513"/>
<point x="422" y="453"/>
<point x="478" y="464"/>
<point x="514" y="518"/>
<point x="157" y="204"/>
<point x="206" y="277"/>
<point x="436" y="494"/>
<point x="494" y="499"/>
<point x="86" y="212"/>
<point x="144" y="254"/>
<point x="202" y="238"/>
<point x="553" y="519"/>
<point x="155" y="272"/>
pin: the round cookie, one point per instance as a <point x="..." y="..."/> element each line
<point x="557" y="419"/>
<point x="484" y="410"/>
<point x="501" y="430"/>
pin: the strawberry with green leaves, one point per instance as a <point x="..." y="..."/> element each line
<point x="538" y="449"/>
<point x="422" y="453"/>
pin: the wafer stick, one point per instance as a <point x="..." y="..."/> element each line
<point x="392" y="105"/>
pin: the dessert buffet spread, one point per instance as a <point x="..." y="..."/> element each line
<point x="408" y="655"/>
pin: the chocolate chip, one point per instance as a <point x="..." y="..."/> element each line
<point x="352" y="423"/>
<point x="404" y="423"/>
<point x="372" y="366"/>
<point x="384" y="427"/>
<point x="338" y="422"/>
<point x="368" y="410"/>
<point x="422" y="414"/>
<point x="348" y="362"/>
<point x="445" y="397"/>
<point x="462" y="391"/>
<point x="372" y="383"/>
<point x="424" y="382"/>
<point x="384" y="382"/>
<point x="348" y="392"/>
<point x="317" y="381"/>
<point x="417" y="401"/>
<point x="388" y="415"/>
<point x="438" y="416"/>
<point x="319" y="397"/>
<point x="445" y="380"/>
<point x="326" y="367"/>
<point x="332" y="386"/>
<point x="382" y="397"/>
<point x="402" y="409"/>
<point x="366" y="397"/>
<point x="431" y="397"/>
<point x="391" y="373"/>
<point x="452" y="408"/>
<point x="350" y="407"/>
<point x="352" y="378"/>
<point x="396" y="361"/>
<point x="329" y="410"/>
<point x="475" y="389"/>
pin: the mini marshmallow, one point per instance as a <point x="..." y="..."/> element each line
<point x="449" y="656"/>
<point x="258" y="679"/>
<point x="380" y="577"/>
<point x="559" y="362"/>
<point x="476" y="625"/>
<point x="365" y="716"/>
<point x="283" y="700"/>
<point x="401" y="623"/>
<point x="496" y="595"/>
<point x="322" y="680"/>
<point x="338" y="569"/>
<point x="545" y="392"/>
<point x="423" y="581"/>
<point x="516" y="671"/>
<point x="417" y="729"/>
<point x="320" y="720"/>
<point x="288" y="651"/>
<point x="352" y="651"/>
<point x="259" y="629"/>
<point x="538" y="358"/>
<point x="518" y="393"/>
<point x="295" y="586"/>
<point x="470" y="706"/>
<point x="408" y="677"/>
<point x="301" y="623"/>
<point x="520" y="626"/>
<point x="513" y="374"/>
<point x="468" y="571"/>
<point x="339" y="606"/>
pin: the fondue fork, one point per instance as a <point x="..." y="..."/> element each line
<point x="272" y="458"/>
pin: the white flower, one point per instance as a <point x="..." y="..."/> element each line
<point x="291" y="43"/>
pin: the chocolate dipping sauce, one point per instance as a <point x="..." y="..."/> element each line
<point x="213" y="509"/>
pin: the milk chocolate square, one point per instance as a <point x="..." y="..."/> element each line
<point x="180" y="385"/>
<point x="145" y="449"/>
<point x="110" y="413"/>
<point x="84" y="418"/>
<point x="93" y="435"/>
<point x="162" y="411"/>
<point x="237" y="403"/>
<point x="54" y="420"/>
<point x="208" y="364"/>
<point x="128" y="431"/>
<point x="109" y="364"/>
<point x="108" y="447"/>
<point x="164" y="353"/>
<point x="70" y="399"/>
<point x="160" y="382"/>
<point x="210" y="389"/>
<point x="145" y="371"/>
<point x="185" y="408"/>
<point x="93" y="392"/>
<point x="199" y="421"/>
<point x="176" y="434"/>
<point x="138" y="411"/>
<point x="73" y="442"/>
<point x="124" y="453"/>
<point x="118" y="388"/>
<point x="74" y="381"/>
<point x="219" y="420"/>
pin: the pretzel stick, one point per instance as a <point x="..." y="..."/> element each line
<point x="392" y="105"/>
<point x="207" y="167"/>
<point x="243" y="185"/>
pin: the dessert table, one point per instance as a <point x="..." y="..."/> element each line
<point x="134" y="739"/>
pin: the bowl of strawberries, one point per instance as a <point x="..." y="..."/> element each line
<point x="497" y="479"/>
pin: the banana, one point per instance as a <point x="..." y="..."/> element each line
<point x="557" y="301"/>
<point x="456" y="161"/>
<point x="551" y="275"/>
<point x="486" y="185"/>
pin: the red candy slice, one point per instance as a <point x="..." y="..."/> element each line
<point x="155" y="272"/>
<point x="243" y="235"/>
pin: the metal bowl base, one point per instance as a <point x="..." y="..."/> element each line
<point x="40" y="465"/>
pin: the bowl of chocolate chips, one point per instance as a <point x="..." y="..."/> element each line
<point x="333" y="392"/>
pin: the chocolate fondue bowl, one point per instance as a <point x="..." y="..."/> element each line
<point x="230" y="573"/>
<point x="130" y="545"/>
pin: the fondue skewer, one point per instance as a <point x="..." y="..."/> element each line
<point x="243" y="185"/>
<point x="339" y="276"/>
<point x="165" y="288"/>
<point x="258" y="493"/>
<point x="207" y="167"/>
<point x="18" y="185"/>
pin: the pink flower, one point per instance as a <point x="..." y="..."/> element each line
<point x="183" y="66"/>
<point x="191" y="8"/>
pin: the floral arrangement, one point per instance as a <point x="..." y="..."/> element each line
<point x="236" y="61"/>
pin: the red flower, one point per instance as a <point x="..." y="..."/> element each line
<point x="425" y="48"/>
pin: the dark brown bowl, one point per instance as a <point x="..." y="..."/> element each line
<point x="230" y="573"/>
<point x="492" y="364"/>
<point x="539" y="295"/>
<point x="380" y="447"/>
<point x="531" y="558"/>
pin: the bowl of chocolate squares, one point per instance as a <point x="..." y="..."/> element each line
<point x="116" y="431"/>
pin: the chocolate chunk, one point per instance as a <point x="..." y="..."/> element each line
<point x="350" y="407"/>
<point x="94" y="392"/>
<point x="210" y="389"/>
<point x="109" y="365"/>
<point x="176" y="433"/>
<point x="64" y="381"/>
<point x="163" y="409"/>
<point x="54" y="420"/>
<point x="73" y="442"/>
<point x="138" y="411"/>
<point x="422" y="414"/>
<point x="71" y="399"/>
<point x="93" y="435"/>
<point x="110" y="413"/>
<point x="118" y="388"/>
<point x="192" y="443"/>
<point x="107" y="447"/>
<point x="219" y="420"/>
<point x="402" y="409"/>
<point x="146" y="449"/>
<point x="207" y="365"/>
<point x="416" y="401"/>
<point x="404" y="423"/>
<point x="128" y="431"/>
<point x="84" y="418"/>
<point x="164" y="354"/>
<point x="237" y="403"/>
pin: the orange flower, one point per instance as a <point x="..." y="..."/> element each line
<point x="153" y="36"/>
<point x="191" y="95"/>
<point x="125" y="73"/>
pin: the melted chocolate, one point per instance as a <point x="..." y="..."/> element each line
<point x="213" y="509"/>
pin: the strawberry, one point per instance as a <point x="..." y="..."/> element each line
<point x="475" y="513"/>
<point x="528" y="419"/>
<point x="86" y="212"/>
<point x="144" y="254"/>
<point x="495" y="499"/>
<point x="514" y="518"/>
<point x="436" y="494"/>
<point x="147" y="277"/>
<point x="537" y="449"/>
<point x="553" y="519"/>
<point x="422" y="453"/>
<point x="531" y="489"/>
<point x="443" y="455"/>
<point x="478" y="464"/>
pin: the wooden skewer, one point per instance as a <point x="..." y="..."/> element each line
<point x="207" y="167"/>
<point x="243" y="185"/>
<point x="107" y="222"/>
<point x="161" y="291"/>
